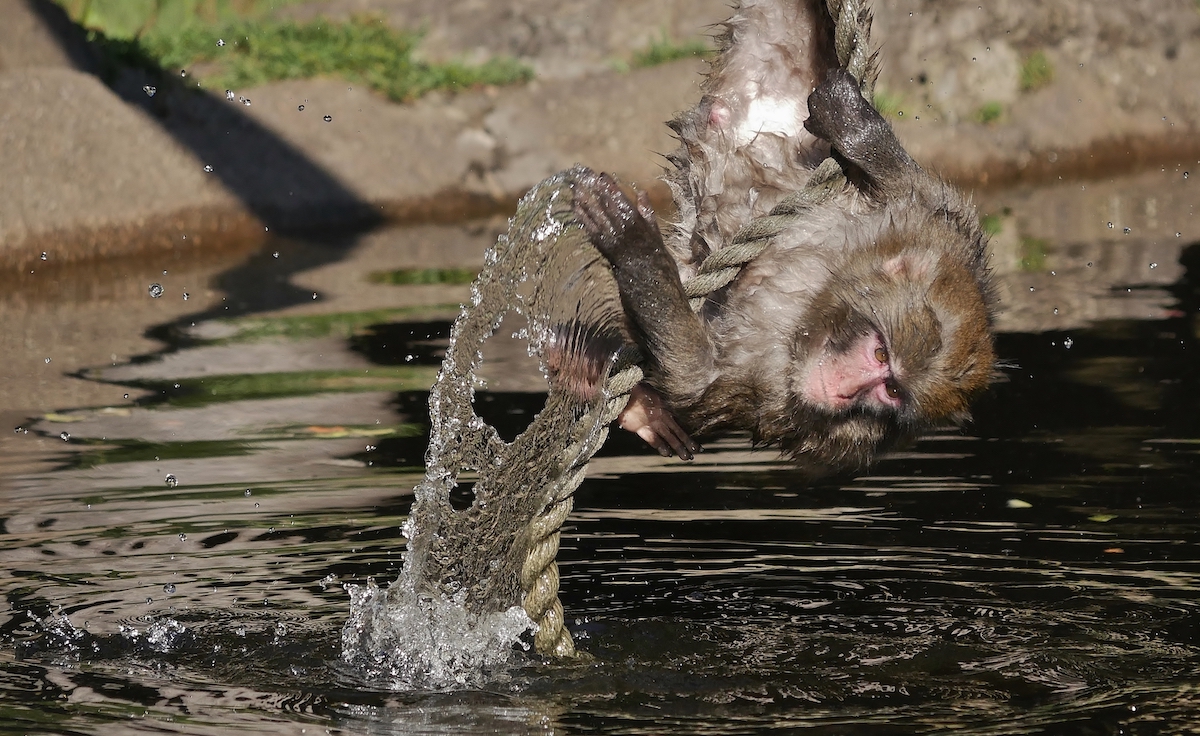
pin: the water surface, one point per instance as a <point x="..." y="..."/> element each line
<point x="173" y="562"/>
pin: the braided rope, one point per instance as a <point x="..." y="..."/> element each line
<point x="539" y="572"/>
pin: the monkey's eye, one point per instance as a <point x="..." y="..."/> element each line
<point x="881" y="354"/>
<point x="893" y="388"/>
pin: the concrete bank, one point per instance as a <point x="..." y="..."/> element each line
<point x="90" y="170"/>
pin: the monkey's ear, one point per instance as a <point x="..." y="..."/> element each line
<point x="909" y="264"/>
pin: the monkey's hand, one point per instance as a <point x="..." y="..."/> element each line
<point x="613" y="223"/>
<point x="839" y="113"/>
<point x="646" y="417"/>
<point x="670" y="334"/>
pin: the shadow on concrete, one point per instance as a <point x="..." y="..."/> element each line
<point x="278" y="184"/>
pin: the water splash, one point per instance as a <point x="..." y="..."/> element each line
<point x="455" y="614"/>
<point x="404" y="640"/>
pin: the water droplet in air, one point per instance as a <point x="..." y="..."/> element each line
<point x="183" y="72"/>
<point x="208" y="169"/>
<point x="328" y="118"/>
<point x="185" y="296"/>
<point x="1186" y="175"/>
<point x="229" y="95"/>
<point x="65" y="437"/>
<point x="127" y="396"/>
<point x="156" y="290"/>
<point x="246" y="102"/>
<point x="149" y="90"/>
<point x="182" y="537"/>
<point x="1089" y="264"/>
<point x="172" y="481"/>
<point x="47" y="361"/>
<point x="1110" y="226"/>
<point x="314" y="295"/>
<point x="301" y="108"/>
<point x="1056" y="310"/>
<point x="256" y="504"/>
<point x="149" y="600"/>
<point x="220" y="42"/>
<point x="275" y="254"/>
<point x="169" y="588"/>
<point x="44" y="256"/>
<point x="1128" y="230"/>
<point x="270" y="530"/>
<point x="1153" y="265"/>
<point x="1068" y="343"/>
<point x="370" y="448"/>
<point x="1179" y="235"/>
<point x="246" y="492"/>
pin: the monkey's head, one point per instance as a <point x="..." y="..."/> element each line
<point x="898" y="341"/>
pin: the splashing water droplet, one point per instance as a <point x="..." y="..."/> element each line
<point x="149" y="90"/>
<point x="183" y="72"/>
<point x="246" y="492"/>
<point x="1110" y="226"/>
<point x="220" y="42"/>
<point x="300" y="108"/>
<point x="1068" y="343"/>
<point x="1056" y="310"/>
<point x="1128" y="230"/>
<point x="275" y="254"/>
<point x="1089" y="264"/>
<point x="172" y="481"/>
<point x="1186" y="175"/>
<point x="65" y="436"/>
<point x="182" y="537"/>
<point x="246" y="102"/>
<point x="328" y="118"/>
<point x="314" y="295"/>
<point x="229" y="95"/>
<point x="208" y="169"/>
<point x="1153" y="265"/>
<point x="127" y="396"/>
<point x="156" y="290"/>
<point x="47" y="361"/>
<point x="169" y="588"/>
<point x="44" y="256"/>
<point x="185" y="296"/>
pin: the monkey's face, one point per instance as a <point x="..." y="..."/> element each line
<point x="897" y="341"/>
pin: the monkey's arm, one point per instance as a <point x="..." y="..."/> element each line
<point x="669" y="332"/>
<point x="858" y="133"/>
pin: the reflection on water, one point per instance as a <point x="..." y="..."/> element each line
<point x="1037" y="573"/>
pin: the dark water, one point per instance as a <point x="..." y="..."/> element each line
<point x="1036" y="573"/>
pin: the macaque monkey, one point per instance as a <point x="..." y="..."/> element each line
<point x="864" y="322"/>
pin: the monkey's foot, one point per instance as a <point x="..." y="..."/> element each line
<point x="646" y="417"/>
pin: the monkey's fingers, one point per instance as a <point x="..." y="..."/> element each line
<point x="645" y="416"/>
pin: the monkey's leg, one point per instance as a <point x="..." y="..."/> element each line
<point x="669" y="332"/>
<point x="858" y="133"/>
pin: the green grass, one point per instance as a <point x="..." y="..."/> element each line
<point x="1036" y="72"/>
<point x="246" y="48"/>
<point x="345" y="324"/>
<point x="1033" y="254"/>
<point x="424" y="276"/>
<point x="243" y="387"/>
<point x="886" y="103"/>
<point x="664" y="49"/>
<point x="990" y="112"/>
<point x="992" y="225"/>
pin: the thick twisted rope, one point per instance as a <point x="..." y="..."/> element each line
<point x="539" y="573"/>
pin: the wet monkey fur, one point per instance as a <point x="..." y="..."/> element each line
<point x="865" y="322"/>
